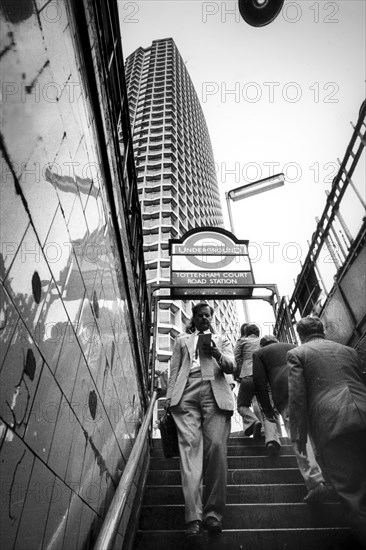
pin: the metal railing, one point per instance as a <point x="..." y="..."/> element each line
<point x="108" y="532"/>
<point x="323" y="231"/>
<point x="309" y="283"/>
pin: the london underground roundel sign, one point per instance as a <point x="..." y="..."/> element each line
<point x="210" y="261"/>
<point x="210" y="251"/>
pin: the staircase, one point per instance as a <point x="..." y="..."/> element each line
<point x="264" y="506"/>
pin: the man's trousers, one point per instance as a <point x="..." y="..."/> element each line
<point x="308" y="466"/>
<point x="203" y="430"/>
<point x="246" y="399"/>
<point x="343" y="460"/>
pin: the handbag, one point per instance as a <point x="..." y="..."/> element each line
<point x="161" y="382"/>
<point x="169" y="436"/>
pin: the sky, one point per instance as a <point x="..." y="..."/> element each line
<point x="278" y="98"/>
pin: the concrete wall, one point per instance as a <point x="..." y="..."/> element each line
<point x="345" y="308"/>
<point x="70" y="400"/>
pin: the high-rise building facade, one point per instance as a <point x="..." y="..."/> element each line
<point x="176" y="176"/>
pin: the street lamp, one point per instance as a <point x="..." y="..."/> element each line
<point x="259" y="13"/>
<point x="250" y="189"/>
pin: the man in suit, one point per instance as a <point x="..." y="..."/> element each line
<point x="201" y="402"/>
<point x="246" y="401"/>
<point x="270" y="370"/>
<point x="327" y="398"/>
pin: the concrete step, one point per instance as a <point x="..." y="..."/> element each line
<point x="234" y="442"/>
<point x="235" y="477"/>
<point x="250" y="516"/>
<point x="264" y="510"/>
<point x="234" y="462"/>
<point x="236" y="494"/>
<point x="238" y="450"/>
<point x="336" y="538"/>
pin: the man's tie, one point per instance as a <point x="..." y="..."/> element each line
<point x="206" y="363"/>
<point x="196" y="354"/>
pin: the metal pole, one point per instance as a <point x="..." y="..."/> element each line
<point x="342" y="222"/>
<point x="330" y="247"/>
<point x="353" y="186"/>
<point x="231" y="221"/>
<point x="278" y="299"/>
<point x="228" y="204"/>
<point x="315" y="263"/>
<point x="333" y="231"/>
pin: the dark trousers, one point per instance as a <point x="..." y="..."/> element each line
<point x="245" y="400"/>
<point x="343" y="462"/>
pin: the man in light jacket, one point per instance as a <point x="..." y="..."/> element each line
<point x="201" y="402"/>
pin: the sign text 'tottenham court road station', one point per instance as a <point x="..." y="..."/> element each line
<point x="210" y="262"/>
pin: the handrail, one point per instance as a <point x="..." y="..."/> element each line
<point x="108" y="532"/>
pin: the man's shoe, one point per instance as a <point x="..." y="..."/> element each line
<point x="317" y="494"/>
<point x="273" y="449"/>
<point x="193" y="529"/>
<point x="212" y="524"/>
<point x="257" y="430"/>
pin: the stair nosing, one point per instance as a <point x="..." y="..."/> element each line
<point x="239" y="470"/>
<point x="278" y="530"/>
<point x="152" y="485"/>
<point x="229" y="456"/>
<point x="247" y="504"/>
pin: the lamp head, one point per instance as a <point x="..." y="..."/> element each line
<point x="259" y="13"/>
<point x="256" y="187"/>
